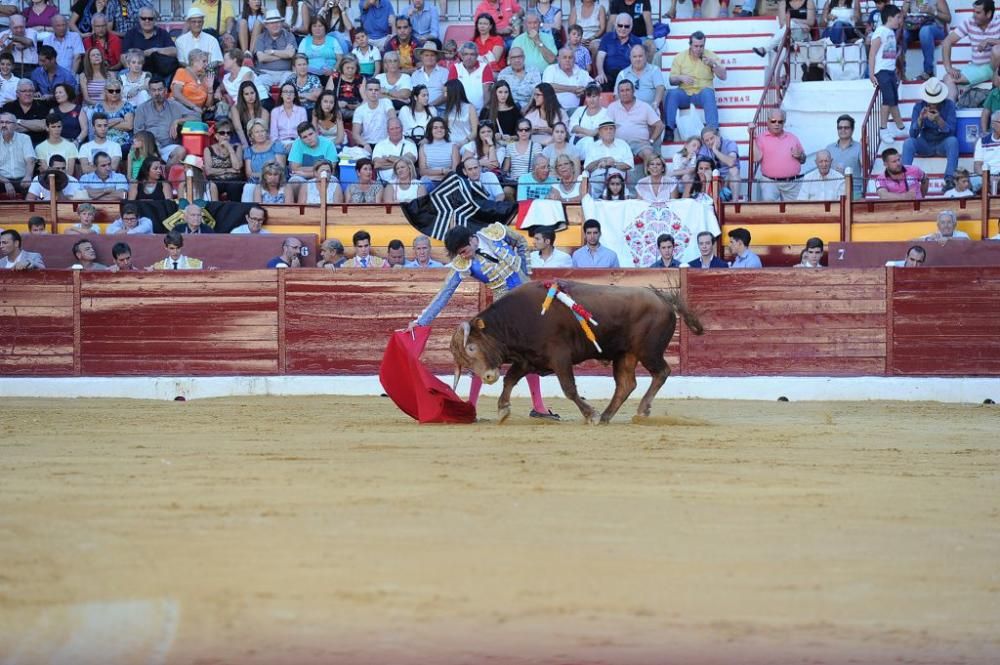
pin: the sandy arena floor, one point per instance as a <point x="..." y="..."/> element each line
<point x="333" y="530"/>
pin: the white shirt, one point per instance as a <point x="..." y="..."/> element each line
<point x="817" y="188"/>
<point x="13" y="156"/>
<point x="91" y="148"/>
<point x="618" y="150"/>
<point x="44" y="195"/>
<point x="374" y="121"/>
<point x="386" y="148"/>
<point x="557" y="259"/>
<point x="988" y="154"/>
<point x="245" y="230"/>
<point x="473" y="84"/>
<point x="554" y="74"/>
<point x="206" y="42"/>
<point x="23" y="54"/>
<point x="955" y="194"/>
<point x="67" y="48"/>
<point x="8" y="89"/>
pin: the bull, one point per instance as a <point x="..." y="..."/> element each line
<point x="635" y="325"/>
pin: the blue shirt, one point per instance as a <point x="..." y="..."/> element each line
<point x="375" y="20"/>
<point x="529" y="189"/>
<point x="618" y="55"/>
<point x="45" y="85"/>
<point x="603" y="258"/>
<point x="747" y="260"/>
<point x="431" y="263"/>
<point x="716" y="263"/>
<point x="929" y="130"/>
<point x="426" y="23"/>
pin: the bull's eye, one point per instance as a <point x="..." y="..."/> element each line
<point x="471" y="348"/>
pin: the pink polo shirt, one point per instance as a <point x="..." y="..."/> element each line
<point x="633" y="124"/>
<point x="776" y="155"/>
<point x="909" y="182"/>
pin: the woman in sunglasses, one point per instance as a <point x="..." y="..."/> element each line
<point x="120" y="114"/>
<point x="224" y="162"/>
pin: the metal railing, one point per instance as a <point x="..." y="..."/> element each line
<point x="870" y="139"/>
<point x="774" y="93"/>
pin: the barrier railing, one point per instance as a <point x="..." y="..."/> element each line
<point x="774" y="93"/>
<point x="870" y="138"/>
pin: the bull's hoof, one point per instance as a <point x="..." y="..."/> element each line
<point x="503" y="414"/>
<point x="644" y="411"/>
<point x="605" y="419"/>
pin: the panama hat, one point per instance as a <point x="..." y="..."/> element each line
<point x="272" y="16"/>
<point x="194" y="12"/>
<point x="934" y="92"/>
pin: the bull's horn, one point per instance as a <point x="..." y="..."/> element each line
<point x="465" y="332"/>
<point x="458" y="375"/>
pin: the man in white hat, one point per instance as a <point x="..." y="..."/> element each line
<point x="933" y="129"/>
<point x="275" y="50"/>
<point x="196" y="38"/>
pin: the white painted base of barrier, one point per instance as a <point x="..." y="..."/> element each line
<point x="969" y="390"/>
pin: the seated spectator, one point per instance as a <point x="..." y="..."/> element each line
<point x="484" y="148"/>
<point x="296" y="15"/>
<point x="346" y="85"/>
<point x="429" y="75"/>
<point x="569" y="187"/>
<point x="102" y="183"/>
<point x="725" y="154"/>
<point x="37" y="226"/>
<point x="232" y="77"/>
<point x="694" y="72"/>
<point x="841" y="18"/>
<point x="490" y="44"/>
<point x="544" y="112"/>
<point x="247" y="108"/>
<point x="391" y="149"/>
<point x="636" y="122"/>
<point x="520" y="156"/>
<point x="656" y="187"/>
<point x="332" y="253"/>
<point x="438" y="154"/>
<point x="55" y="144"/>
<point x="94" y="77"/>
<point x="561" y="145"/>
<point x="338" y="22"/>
<point x="395" y="256"/>
<point x="65" y="189"/>
<point x="475" y="77"/>
<point x="18" y="157"/>
<point x="154" y="42"/>
<point x="486" y="181"/>
<point x="74" y="121"/>
<point x="425" y="20"/>
<point x="458" y="113"/>
<point x="121" y="114"/>
<point x="308" y="148"/>
<point x="321" y="50"/>
<point x="21" y="41"/>
<point x="367" y="189"/>
<point x="706" y="250"/>
<point x="607" y="156"/>
<point x="900" y="182"/>
<point x="403" y="185"/>
<point x="582" y="56"/>
<point x="647" y="80"/>
<point x="256" y="217"/>
<point x="916" y="257"/>
<point x="291" y="255"/>
<point x="223" y="161"/>
<point x="536" y="184"/>
<point x="592" y="18"/>
<point x="614" y="51"/>
<point x="286" y="118"/>
<point x="947" y="224"/>
<point x="739" y="247"/>
<point x="592" y="254"/>
<point x="963" y="186"/>
<point x="262" y="150"/>
<point x="309" y="194"/>
<point x="546" y="255"/>
<point x="987" y="153"/>
<point x="369" y="56"/>
<point x="584" y="122"/>
<point x="86" y="257"/>
<point x="8" y="80"/>
<point x="567" y="80"/>
<point x="502" y="11"/>
<point x="129" y="223"/>
<point x="371" y="119"/>
<point x="666" y="245"/>
<point x="12" y="257"/>
<point x="376" y="18"/>
<point x="703" y="187"/>
<point x="933" y="129"/>
<point x="193" y="85"/>
<point x="103" y="39"/>
<point x="160" y="117"/>
<point x="327" y="121"/>
<point x="273" y="188"/>
<point x="195" y="38"/>
<point x="552" y="19"/>
<point x="538" y="47"/>
<point x="29" y="113"/>
<point x="49" y="73"/>
<point x="174" y="243"/>
<point x="195" y="186"/>
<point x="781" y="156"/>
<point x="306" y="84"/>
<point x="151" y="183"/>
<point x="521" y="78"/>
<point x="615" y="189"/>
<point x="143" y="148"/>
<point x="86" y="226"/>
<point x="39" y="15"/>
<point x="980" y="30"/>
<point x="422" y="254"/>
<point x="404" y="45"/>
<point x="363" y="257"/>
<point x="193" y="221"/>
<point x="812" y="254"/>
<point x="122" y="255"/>
<point x="846" y="153"/>
<point x="823" y="184"/>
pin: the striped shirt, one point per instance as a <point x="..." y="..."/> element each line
<point x="977" y="35"/>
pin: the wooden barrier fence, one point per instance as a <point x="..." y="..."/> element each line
<point x="874" y="322"/>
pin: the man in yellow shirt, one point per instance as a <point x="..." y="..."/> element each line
<point x="693" y="71"/>
<point x="214" y="19"/>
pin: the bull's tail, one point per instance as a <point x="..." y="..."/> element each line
<point x="676" y="303"/>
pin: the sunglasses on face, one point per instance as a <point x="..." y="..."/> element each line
<point x="223" y="132"/>
<point x="776" y="122"/>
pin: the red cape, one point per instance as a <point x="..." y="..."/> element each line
<point x="413" y="388"/>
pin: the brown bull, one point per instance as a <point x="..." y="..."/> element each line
<point x="634" y="326"/>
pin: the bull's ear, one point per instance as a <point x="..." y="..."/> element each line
<point x="479" y="323"/>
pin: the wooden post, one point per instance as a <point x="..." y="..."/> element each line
<point x="189" y="181"/>
<point x="682" y="331"/>
<point x="716" y="191"/>
<point x="889" y="323"/>
<point x="847" y="207"/>
<point x="324" y="179"/>
<point x="281" y="320"/>
<point x="77" y="335"/>
<point x="984" y="198"/>
<point x="53" y="225"/>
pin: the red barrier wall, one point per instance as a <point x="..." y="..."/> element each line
<point x="877" y="322"/>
